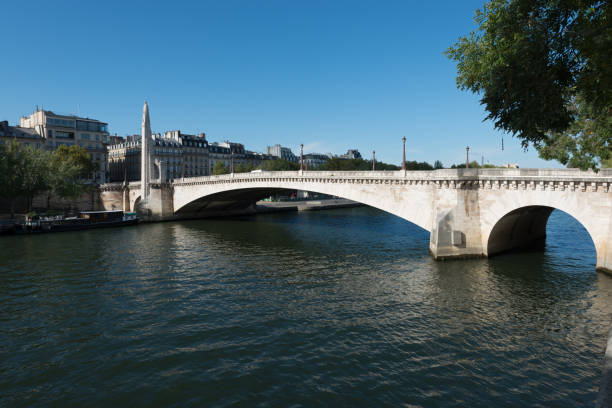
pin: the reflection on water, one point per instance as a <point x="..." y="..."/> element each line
<point x="340" y="307"/>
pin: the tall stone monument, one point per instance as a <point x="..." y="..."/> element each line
<point x="145" y="161"/>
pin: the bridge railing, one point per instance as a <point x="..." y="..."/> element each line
<point x="604" y="175"/>
<point x="442" y="174"/>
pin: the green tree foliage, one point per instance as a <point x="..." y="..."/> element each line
<point x="219" y="168"/>
<point x="438" y="165"/>
<point x="26" y="172"/>
<point x="542" y="68"/>
<point x="241" y="168"/>
<point x="279" y="165"/>
<point x="474" y="165"/>
<point x="11" y="173"/>
<point x="71" y="168"/>
<point x="339" y="164"/>
<point x="36" y="170"/>
<point x="414" y="165"/>
<point x="78" y="157"/>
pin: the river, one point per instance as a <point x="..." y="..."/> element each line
<point x="329" y="308"/>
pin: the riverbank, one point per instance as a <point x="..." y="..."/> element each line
<point x="266" y="207"/>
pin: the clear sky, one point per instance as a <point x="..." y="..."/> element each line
<point x="330" y="74"/>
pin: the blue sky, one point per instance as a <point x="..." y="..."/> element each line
<point x="333" y="75"/>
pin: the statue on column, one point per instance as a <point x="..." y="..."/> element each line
<point x="146" y="162"/>
<point x="145" y="159"/>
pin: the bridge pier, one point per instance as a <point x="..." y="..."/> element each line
<point x="456" y="230"/>
<point x="604" y="250"/>
<point x="159" y="206"/>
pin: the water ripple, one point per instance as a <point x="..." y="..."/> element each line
<point x="329" y="308"/>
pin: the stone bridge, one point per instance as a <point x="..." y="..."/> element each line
<point x="469" y="212"/>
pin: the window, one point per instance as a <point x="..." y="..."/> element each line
<point x="84" y="136"/>
<point x="97" y="137"/>
<point x="64" y="135"/>
<point x="60" y="122"/>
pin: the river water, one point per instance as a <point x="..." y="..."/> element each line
<point x="330" y="308"/>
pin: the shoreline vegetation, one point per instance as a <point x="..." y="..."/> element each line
<point x="26" y="172"/>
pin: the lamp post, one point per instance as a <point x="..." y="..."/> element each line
<point x="373" y="160"/>
<point x="404" y="153"/>
<point x="467" y="157"/>
<point x="232" y="162"/>
<point x="301" y="157"/>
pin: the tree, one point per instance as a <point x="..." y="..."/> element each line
<point x="438" y="165"/>
<point x="278" y="165"/>
<point x="35" y="172"/>
<point x="340" y="164"/>
<point x="241" y="168"/>
<point x="26" y="172"/>
<point x="71" y="167"/>
<point x="219" y="168"/>
<point x="414" y="165"/>
<point x="542" y="68"/>
<point x="11" y="173"/>
<point x="77" y="156"/>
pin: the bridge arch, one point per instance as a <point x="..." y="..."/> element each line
<point x="524" y="226"/>
<point x="411" y="204"/>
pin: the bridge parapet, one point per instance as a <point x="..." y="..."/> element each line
<point x="515" y="179"/>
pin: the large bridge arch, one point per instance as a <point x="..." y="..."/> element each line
<point x="522" y="222"/>
<point x="410" y="202"/>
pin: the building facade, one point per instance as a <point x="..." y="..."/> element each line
<point x="24" y="136"/>
<point x="68" y="130"/>
<point x="282" y="153"/>
<point x="351" y="154"/>
<point x="176" y="154"/>
<point x="314" y="160"/>
<point x="179" y="155"/>
<point x="230" y="153"/>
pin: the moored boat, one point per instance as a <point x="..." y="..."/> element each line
<point x="85" y="220"/>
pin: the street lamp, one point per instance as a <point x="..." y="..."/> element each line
<point x="301" y="157"/>
<point x="467" y="157"/>
<point x="232" y="167"/>
<point x="373" y="160"/>
<point x="404" y="153"/>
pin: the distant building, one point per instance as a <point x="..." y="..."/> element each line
<point x="314" y="160"/>
<point x="183" y="155"/>
<point x="195" y="154"/>
<point x="282" y="153"/>
<point x="115" y="139"/>
<point x="69" y="130"/>
<point x="240" y="156"/>
<point x="351" y="154"/>
<point x="25" y="136"/>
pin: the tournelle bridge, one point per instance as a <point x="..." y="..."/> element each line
<point x="468" y="212"/>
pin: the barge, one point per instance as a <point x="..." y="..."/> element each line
<point x="85" y="220"/>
